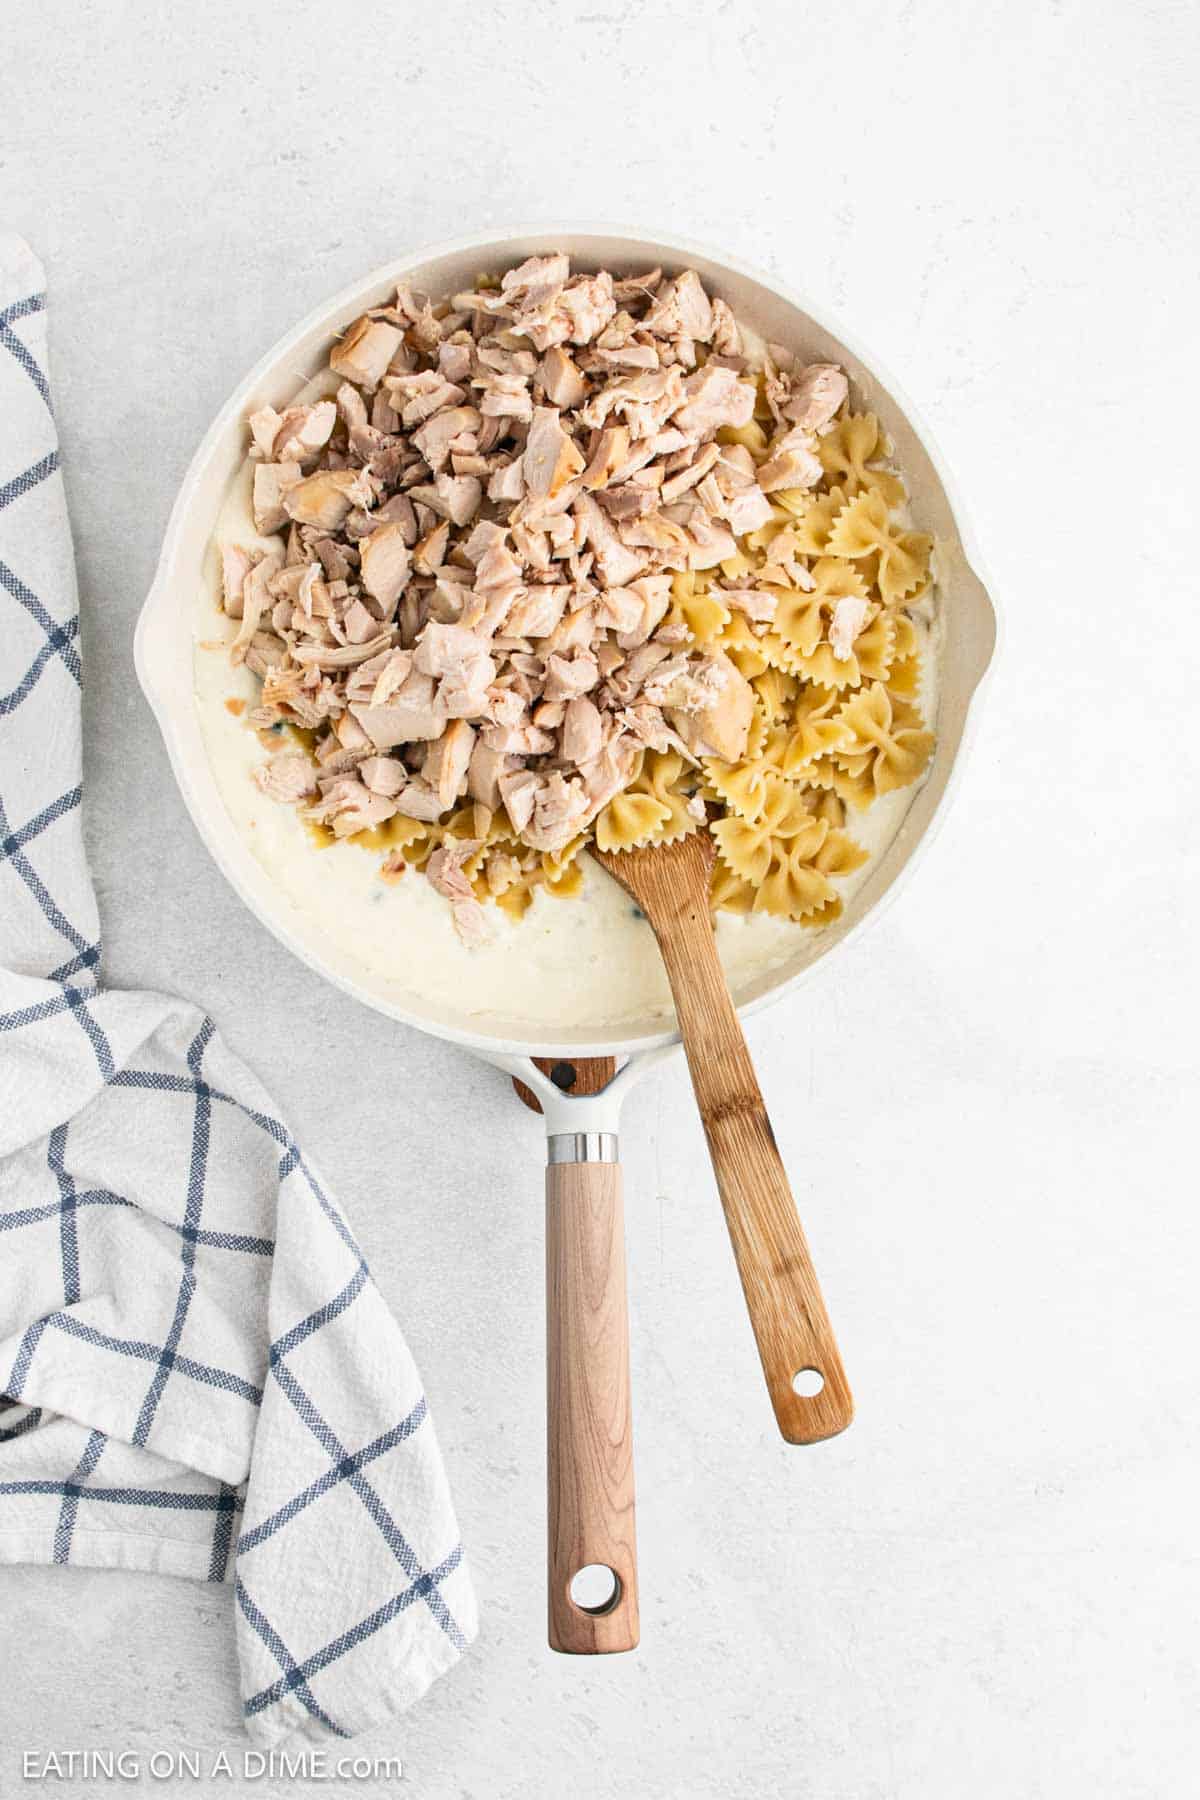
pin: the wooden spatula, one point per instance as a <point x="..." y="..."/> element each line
<point x="669" y="882"/>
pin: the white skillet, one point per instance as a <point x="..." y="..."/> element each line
<point x="590" y="1461"/>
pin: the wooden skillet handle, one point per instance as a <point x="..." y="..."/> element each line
<point x="787" y="1312"/>
<point x="589" y="1425"/>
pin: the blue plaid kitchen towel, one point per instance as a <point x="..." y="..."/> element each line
<point x="197" y="1374"/>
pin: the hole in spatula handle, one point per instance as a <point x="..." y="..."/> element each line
<point x="807" y="1383"/>
<point x="595" y="1589"/>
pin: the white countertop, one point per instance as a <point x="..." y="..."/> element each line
<point x="989" y="1587"/>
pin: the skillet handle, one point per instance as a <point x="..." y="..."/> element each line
<point x="589" y="1427"/>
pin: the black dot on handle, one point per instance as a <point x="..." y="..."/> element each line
<point x="564" y="1075"/>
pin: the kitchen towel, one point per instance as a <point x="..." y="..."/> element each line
<point x="197" y="1374"/>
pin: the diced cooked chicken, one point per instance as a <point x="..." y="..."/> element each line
<point x="384" y="775"/>
<point x="551" y="457"/>
<point x="445" y="872"/>
<point x="693" y="306"/>
<point x="850" y="614"/>
<point x="287" y="777"/>
<point x="452" y="497"/>
<point x="617" y="563"/>
<point x="518" y="790"/>
<point x="435" y="437"/>
<point x="365" y="352"/>
<point x="446" y="762"/>
<point x="384" y="565"/>
<point x="562" y="381"/>
<point x="581" y="731"/>
<point x="719" y="706"/>
<point x="348" y="807"/>
<point x="484" y="772"/>
<point x="413" y="715"/>
<point x="326" y="498"/>
<point x="304" y="432"/>
<point x="611" y="453"/>
<point x="272" y="481"/>
<point x="793" y="463"/>
<point x="714" y="397"/>
<point x="235" y="566"/>
<point x="817" y="393"/>
<point x="726" y="338"/>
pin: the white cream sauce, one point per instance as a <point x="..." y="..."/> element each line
<point x="587" y="962"/>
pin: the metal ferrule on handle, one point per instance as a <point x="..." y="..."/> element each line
<point x="582" y="1147"/>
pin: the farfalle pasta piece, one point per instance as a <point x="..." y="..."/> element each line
<point x="814" y="729"/>
<point x="893" y="735"/>
<point x="727" y="892"/>
<point x="784" y="828"/>
<point x="630" y="819"/>
<point x="776" y="689"/>
<point x="846" y="453"/>
<point x="692" y="605"/>
<point x="740" y="787"/>
<point x="743" y="647"/>
<point x="668" y="780"/>
<point x="812" y="516"/>
<point x="864" y="528"/>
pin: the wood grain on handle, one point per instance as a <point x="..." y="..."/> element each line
<point x="589" y="1423"/>
<point x="787" y="1312"/>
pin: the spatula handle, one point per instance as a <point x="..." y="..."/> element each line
<point x="791" y="1327"/>
<point x="589" y="1423"/>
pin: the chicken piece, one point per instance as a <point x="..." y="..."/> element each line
<point x="447" y="760"/>
<point x="413" y="715"/>
<point x="617" y="563"/>
<point x="326" y="498"/>
<point x="711" y="544"/>
<point x="716" y="719"/>
<point x="347" y="807"/>
<point x="747" y="510"/>
<point x="445" y="873"/>
<point x="611" y="771"/>
<point x="850" y="614"/>
<point x="507" y="482"/>
<point x="304" y="432"/>
<point x="726" y="337"/>
<point x="654" y="593"/>
<point x="256" y="601"/>
<point x="566" y="678"/>
<point x="536" y="612"/>
<point x="714" y="397"/>
<point x="526" y="739"/>
<point x="271" y="482"/>
<point x="384" y="775"/>
<point x="454" y="361"/>
<point x="693" y="306"/>
<point x="551" y="458"/>
<point x="453" y="497"/>
<point x="611" y="453"/>
<point x="451" y="650"/>
<point x="581" y="731"/>
<point x="287" y="777"/>
<point x="430" y="553"/>
<point x="793" y="463"/>
<point x="589" y="304"/>
<point x="562" y="382"/>
<point x="536" y="282"/>
<point x="560" y="809"/>
<point x="365" y="352"/>
<point x="619" y="609"/>
<point x="235" y="566"/>
<point x="420" y="802"/>
<point x="484" y="772"/>
<point x="264" y="429"/>
<point x="434" y="438"/>
<point x="518" y="790"/>
<point x="374" y="682"/>
<point x="816" y="395"/>
<point x="678" y="484"/>
<point x="384" y="564"/>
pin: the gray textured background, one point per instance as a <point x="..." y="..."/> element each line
<point x="989" y="1587"/>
